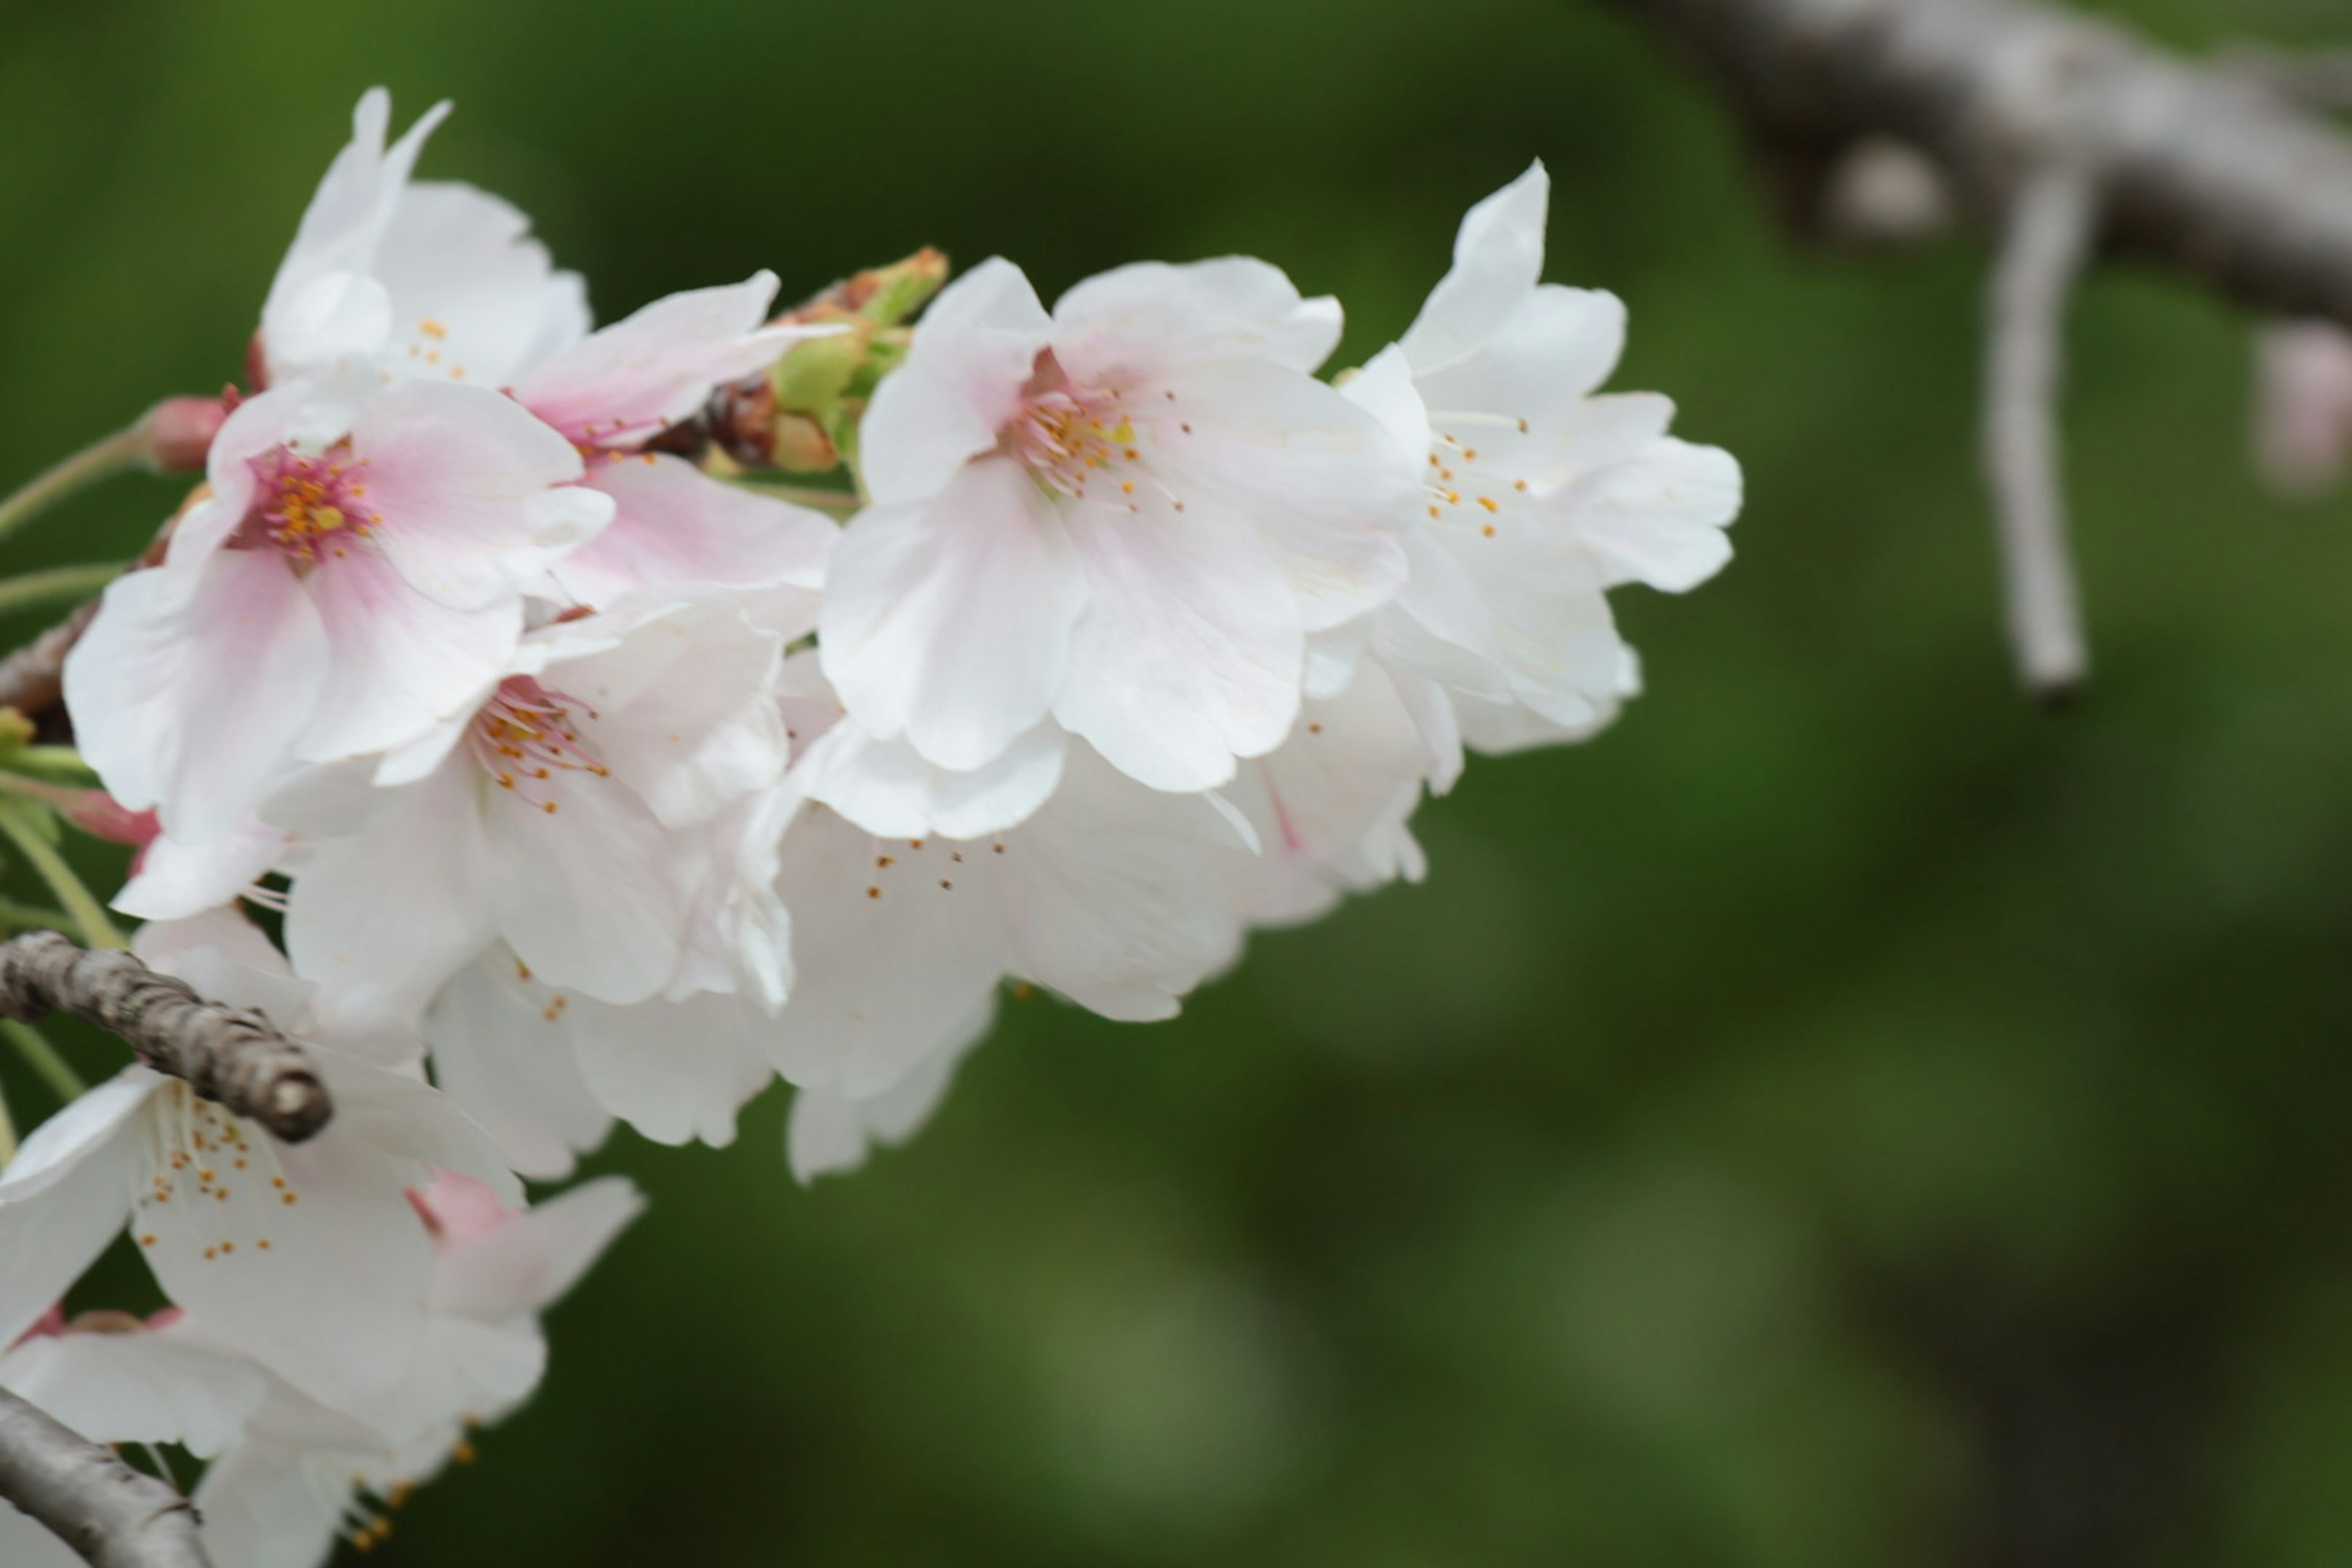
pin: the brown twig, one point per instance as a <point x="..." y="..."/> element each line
<point x="232" y="1055"/>
<point x="88" y="1497"/>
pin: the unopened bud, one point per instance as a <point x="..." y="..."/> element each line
<point x="180" y="432"/>
<point x="101" y="815"/>
<point x="880" y="296"/>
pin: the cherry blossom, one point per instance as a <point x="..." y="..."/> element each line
<point x="569" y="814"/>
<point x="406" y="278"/>
<point x="301" y="1256"/>
<point x="1124" y="518"/>
<point x="1539" y="494"/>
<point x="332" y="596"/>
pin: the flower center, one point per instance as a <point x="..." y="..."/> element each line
<point x="202" y="1156"/>
<point x="1458" y="476"/>
<point x="309" y="509"/>
<point x="525" y="735"/>
<point x="1072" y="436"/>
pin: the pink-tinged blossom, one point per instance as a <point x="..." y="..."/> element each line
<point x="1539" y="494"/>
<point x="389" y="276"/>
<point x="673" y="524"/>
<point x="566" y="815"/>
<point x="1122" y="519"/>
<point x="333" y="594"/>
<point x="304" y="1257"/>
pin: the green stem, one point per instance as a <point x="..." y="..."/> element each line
<point x="66" y="582"/>
<point x="60" y="760"/>
<point x="123" y="450"/>
<point x="32" y="917"/>
<point x="43" y="1058"/>
<point x="7" y="1133"/>
<point x="88" y="913"/>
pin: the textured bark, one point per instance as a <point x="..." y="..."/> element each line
<point x="32" y="679"/>
<point x="232" y="1055"/>
<point x="2195" y="168"/>
<point x="112" y="1514"/>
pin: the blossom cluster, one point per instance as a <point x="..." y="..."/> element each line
<point x="586" y="777"/>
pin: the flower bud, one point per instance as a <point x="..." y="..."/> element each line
<point x="180" y="432"/>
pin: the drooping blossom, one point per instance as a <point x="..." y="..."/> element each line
<point x="1539" y="494"/>
<point x="355" y="575"/>
<point x="1121" y="521"/>
<point x="304" y="1256"/>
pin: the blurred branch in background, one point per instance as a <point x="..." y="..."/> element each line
<point x="1878" y="120"/>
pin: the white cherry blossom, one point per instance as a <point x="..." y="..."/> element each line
<point x="568" y="815"/>
<point x="332" y="595"/>
<point x="304" y="1472"/>
<point x="400" y="278"/>
<point x="304" y="1256"/>
<point x="1539" y="493"/>
<point x="1124" y="518"/>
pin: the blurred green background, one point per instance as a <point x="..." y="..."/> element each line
<point x="1840" y="1117"/>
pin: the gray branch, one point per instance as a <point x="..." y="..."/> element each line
<point x="88" y="1498"/>
<point x="2073" y="137"/>
<point x="233" y="1055"/>
<point x="2044" y="246"/>
<point x="2196" y="169"/>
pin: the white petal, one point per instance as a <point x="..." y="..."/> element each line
<point x="1557" y="346"/>
<point x="65" y="1194"/>
<point x="270" y="1504"/>
<point x="343" y="226"/>
<point x="1497" y="257"/>
<point x="673" y="524"/>
<point x="588" y="895"/>
<point x="136" y="1388"/>
<point x="401" y="1116"/>
<point x="886" y="786"/>
<point x="958" y="386"/>
<point x="950" y="622"/>
<point x="189" y="686"/>
<point x="398" y="662"/>
<point x="171" y="879"/>
<point x="682" y="709"/>
<point x="1327" y="486"/>
<point x="1189" y="653"/>
<point x="502" y="1052"/>
<point x="1151" y="314"/>
<point x="528" y="1264"/>
<point x="1117" y="896"/>
<point x="334" y="1302"/>
<point x="381" y="917"/>
<point x="640" y="375"/>
<point x="830" y="1131"/>
<point x="676" y="1071"/>
<point x="889" y="962"/>
<point x="1659" y="519"/>
<point x="462" y="483"/>
<point x="474" y="298"/>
